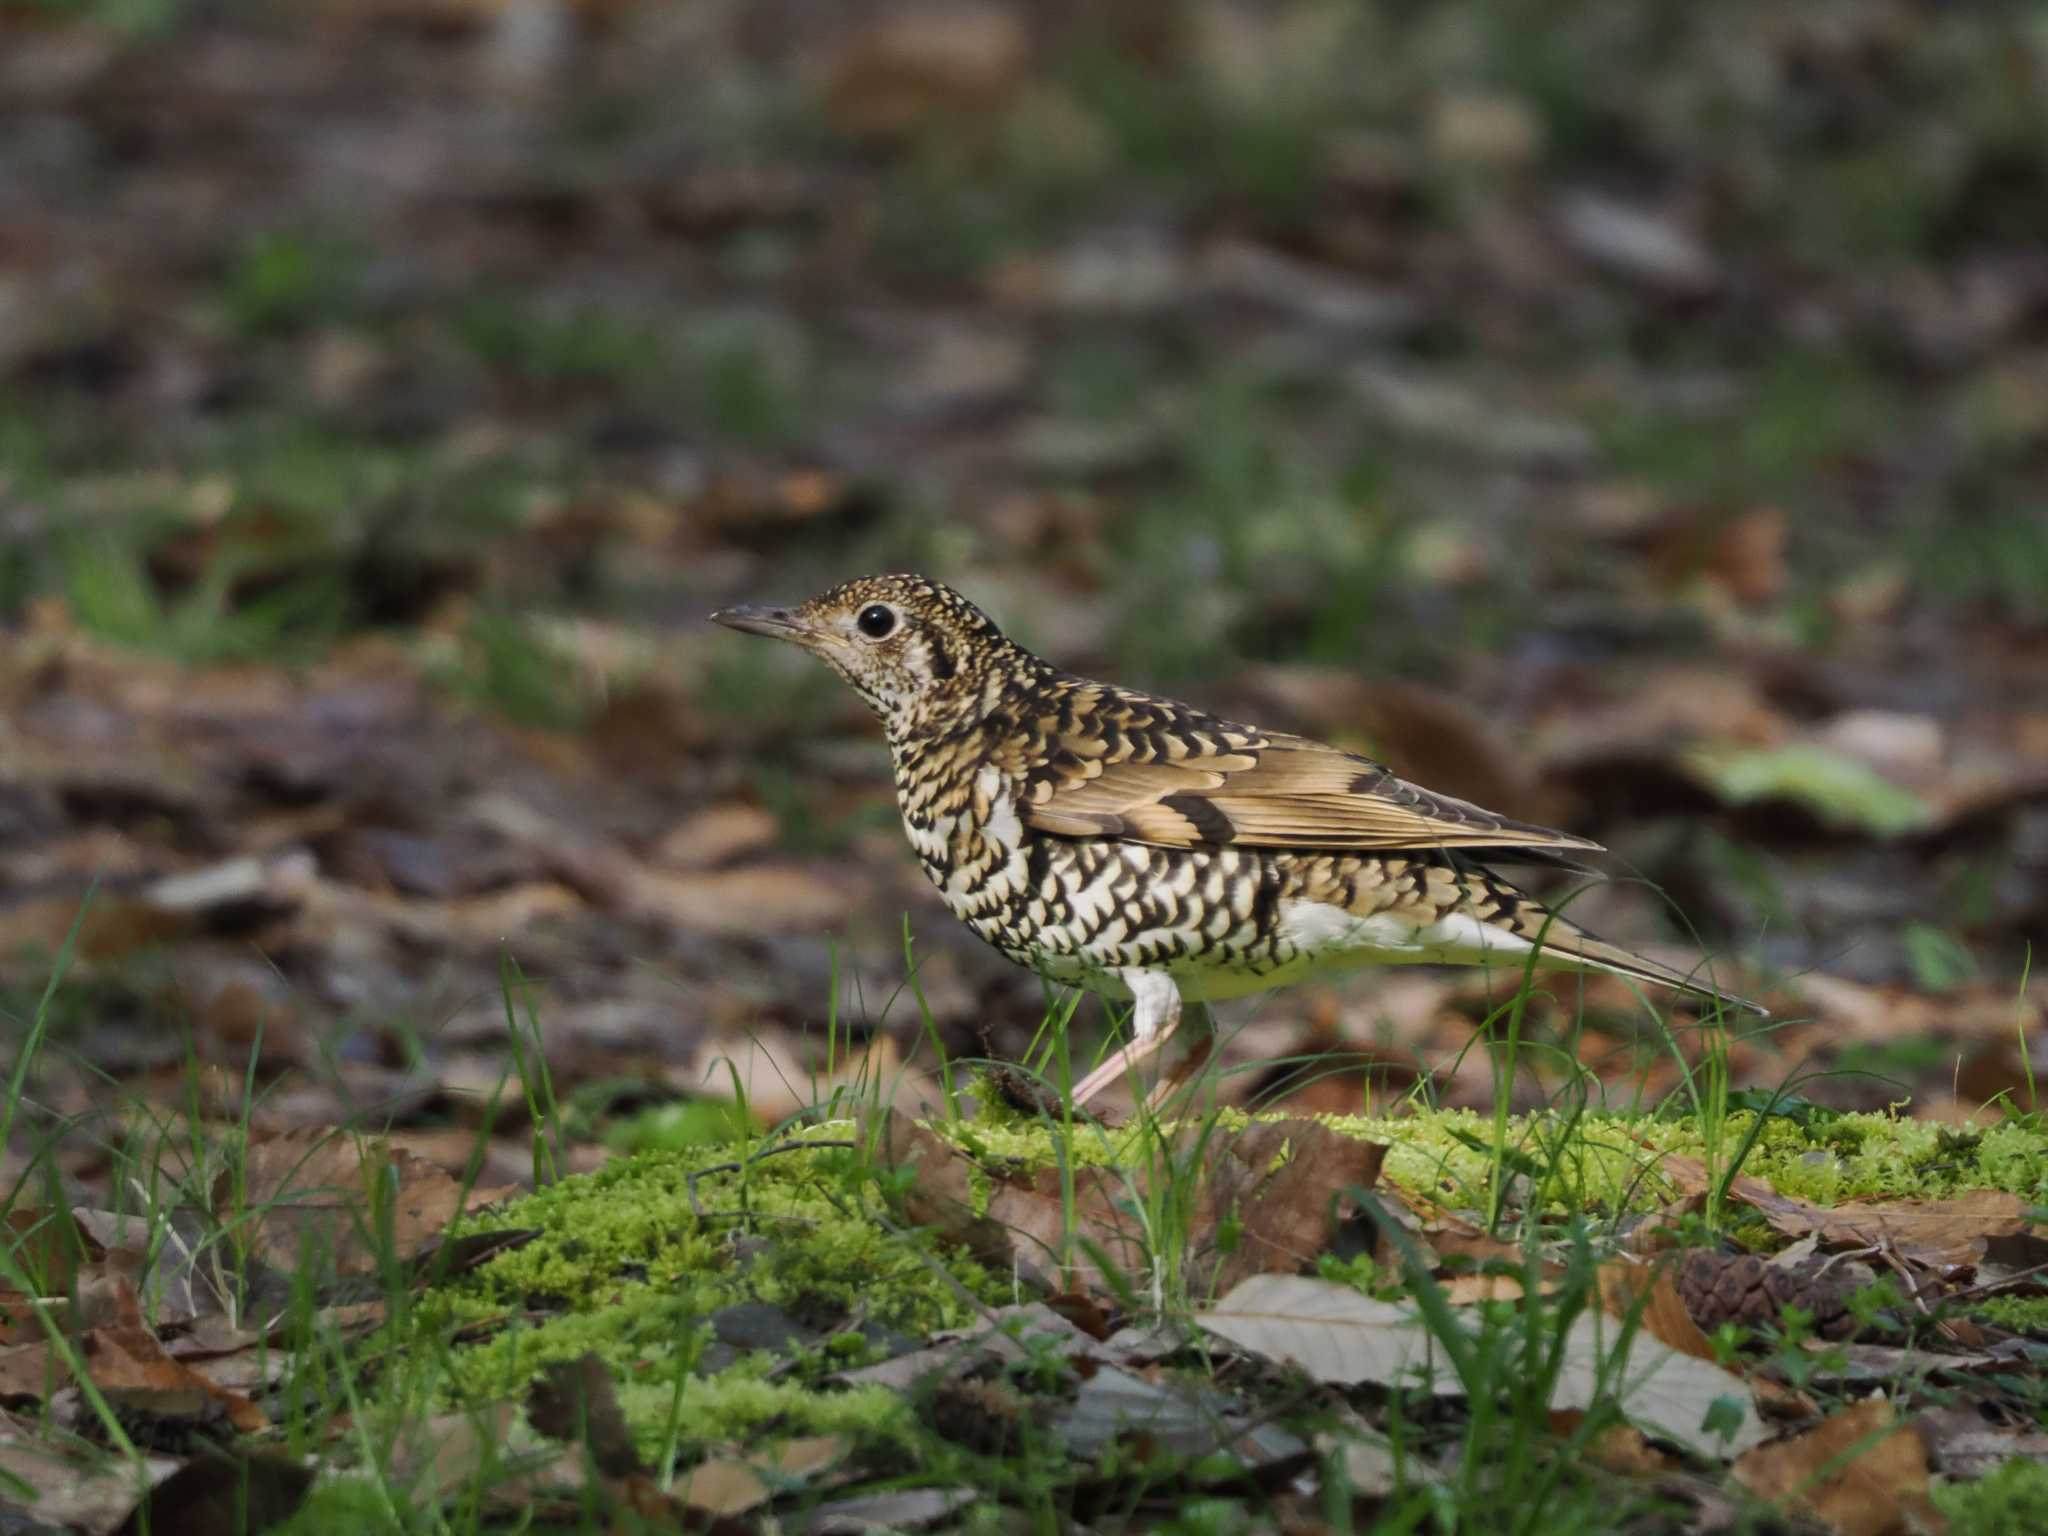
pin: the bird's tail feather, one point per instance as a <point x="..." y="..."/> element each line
<point x="1565" y="942"/>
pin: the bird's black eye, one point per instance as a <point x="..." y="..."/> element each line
<point x="876" y="620"/>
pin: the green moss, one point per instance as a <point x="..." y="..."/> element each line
<point x="631" y="1262"/>
<point x="1606" y="1162"/>
<point x="675" y="1127"/>
<point x="1881" y="1156"/>
<point x="634" y="1229"/>
<point x="738" y="1404"/>
<point x="2022" y="1314"/>
<point x="628" y="1267"/>
<point x="2006" y="1503"/>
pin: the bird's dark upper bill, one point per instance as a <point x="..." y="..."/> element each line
<point x="759" y="619"/>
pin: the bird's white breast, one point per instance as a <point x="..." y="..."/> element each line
<point x="1003" y="824"/>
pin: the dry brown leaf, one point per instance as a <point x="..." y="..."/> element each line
<point x="311" y="1193"/>
<point x="1443" y="1233"/>
<point x="744" y="902"/>
<point x="1861" y="1472"/>
<point x="1285" y="1181"/>
<point x="1943" y="1233"/>
<point x="1619" y="1448"/>
<point x="724" y="1485"/>
<point x="222" y="1493"/>
<point x="1337" y="1335"/>
<point x="1624" y="1450"/>
<point x="1999" y="1071"/>
<point x="1279" y="1187"/>
<point x="1467" y="1290"/>
<point x="766" y="1069"/>
<point x="940" y="1192"/>
<point x="576" y="1402"/>
<point x="439" y="1456"/>
<point x="715" y="834"/>
<point x="1854" y="1010"/>
<point x="915" y="63"/>
<point x="174" y="1281"/>
<point x="29" y="1369"/>
<point x="21" y="1319"/>
<point x="1024" y="1223"/>
<point x="1743" y="555"/>
<point x="1647" y="1293"/>
<point x="127" y="1362"/>
<point x="113" y="926"/>
<point x="1660" y="1231"/>
<point x="1331" y="1332"/>
<point x="62" y="1489"/>
<point x="807" y="1455"/>
<point x="1104" y="1241"/>
<point x="130" y="1364"/>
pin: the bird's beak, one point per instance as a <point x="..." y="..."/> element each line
<point x="762" y="619"/>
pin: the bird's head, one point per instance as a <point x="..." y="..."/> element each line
<point x="920" y="654"/>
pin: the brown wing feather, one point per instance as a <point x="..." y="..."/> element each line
<point x="1162" y="774"/>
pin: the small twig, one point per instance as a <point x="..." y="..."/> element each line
<point x="690" y="1179"/>
<point x="1916" y="1293"/>
<point x="1874" y="1250"/>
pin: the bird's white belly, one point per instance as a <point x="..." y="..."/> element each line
<point x="1317" y="939"/>
<point x="1328" y="939"/>
<point x="1317" y="928"/>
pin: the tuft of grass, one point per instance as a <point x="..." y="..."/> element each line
<point x="757" y="387"/>
<point x="282" y="281"/>
<point x="544" y="344"/>
<point x="140" y="20"/>
<point x="110" y="593"/>
<point x="1250" y="549"/>
<point x="765" y="689"/>
<point x="1805" y="412"/>
<point x="2005" y="1502"/>
<point x="507" y="665"/>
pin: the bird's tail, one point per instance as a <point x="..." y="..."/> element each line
<point x="1566" y="943"/>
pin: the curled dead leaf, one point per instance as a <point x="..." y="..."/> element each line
<point x="576" y="1402"/>
<point x="1271" y="1202"/>
<point x="1648" y="1293"/>
<point x="1861" y="1472"/>
<point x="328" y="1195"/>
<point x="1943" y="1233"/>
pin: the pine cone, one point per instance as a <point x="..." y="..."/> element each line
<point x="1750" y="1291"/>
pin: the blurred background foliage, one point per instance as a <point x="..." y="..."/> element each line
<point x="1633" y="414"/>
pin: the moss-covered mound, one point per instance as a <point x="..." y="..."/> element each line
<point x="638" y="1261"/>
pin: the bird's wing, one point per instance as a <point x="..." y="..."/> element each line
<point x="1178" y="779"/>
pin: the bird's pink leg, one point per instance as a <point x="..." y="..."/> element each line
<point x="1154" y="1017"/>
<point x="1197" y="1058"/>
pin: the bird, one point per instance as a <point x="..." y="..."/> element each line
<point x="1156" y="854"/>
